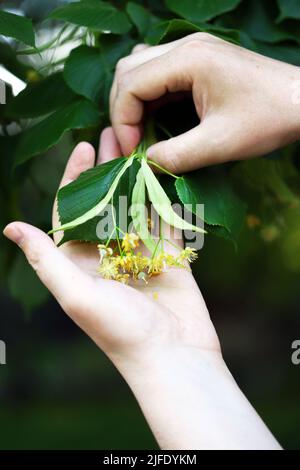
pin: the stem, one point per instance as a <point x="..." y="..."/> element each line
<point x="162" y="169"/>
<point x="44" y="47"/>
<point x="155" y="249"/>
<point x="173" y="244"/>
<point x="116" y="228"/>
<point x="149" y="135"/>
<point x="164" y="130"/>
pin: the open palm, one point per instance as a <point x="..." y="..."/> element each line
<point x="169" y="305"/>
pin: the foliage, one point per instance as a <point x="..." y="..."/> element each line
<point x="66" y="100"/>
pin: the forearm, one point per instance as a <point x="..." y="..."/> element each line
<point x="289" y="97"/>
<point x="191" y="401"/>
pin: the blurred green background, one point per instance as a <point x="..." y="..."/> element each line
<point x="58" y="391"/>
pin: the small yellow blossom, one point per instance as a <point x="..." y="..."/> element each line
<point x="104" y="251"/>
<point x="188" y="254"/>
<point x="130" y="264"/>
<point x="123" y="278"/>
<point x="130" y="241"/>
<point x="142" y="277"/>
<point x="150" y="224"/>
<point x="155" y="295"/>
<point x="108" y="269"/>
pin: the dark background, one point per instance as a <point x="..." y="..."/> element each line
<point x="58" y="390"/>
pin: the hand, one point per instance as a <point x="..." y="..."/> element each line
<point x="126" y="322"/>
<point x="166" y="349"/>
<point x="244" y="100"/>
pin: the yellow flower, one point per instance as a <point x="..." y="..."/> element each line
<point x="123" y="278"/>
<point x="155" y="295"/>
<point x="104" y="251"/>
<point x="171" y="260"/>
<point x="157" y="264"/>
<point x="188" y="254"/>
<point x="142" y="277"/>
<point x="130" y="241"/>
<point x="108" y="269"/>
<point x="121" y="267"/>
<point x="150" y="224"/>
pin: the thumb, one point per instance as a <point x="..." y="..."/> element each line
<point x="54" y="269"/>
<point x="194" y="149"/>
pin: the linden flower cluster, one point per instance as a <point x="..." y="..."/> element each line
<point x="127" y="263"/>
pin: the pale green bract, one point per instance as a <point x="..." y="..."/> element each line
<point x="162" y="203"/>
<point x="96" y="210"/>
<point x="138" y="212"/>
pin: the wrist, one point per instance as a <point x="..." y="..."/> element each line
<point x="165" y="365"/>
<point x="291" y="106"/>
<point x="191" y="401"/>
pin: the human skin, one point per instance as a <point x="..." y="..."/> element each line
<point x="165" y="346"/>
<point x="248" y="104"/>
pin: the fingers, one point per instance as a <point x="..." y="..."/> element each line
<point x="54" y="269"/>
<point x="130" y="135"/>
<point x="198" y="147"/>
<point x="109" y="147"/>
<point x="146" y="82"/>
<point x="139" y="48"/>
<point x="81" y="159"/>
<point x="96" y="305"/>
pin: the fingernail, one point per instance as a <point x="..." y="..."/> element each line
<point x="151" y="151"/>
<point x="14" y="233"/>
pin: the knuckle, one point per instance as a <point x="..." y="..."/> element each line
<point x="200" y="36"/>
<point x="139" y="47"/>
<point x="191" y="47"/>
<point x="122" y="65"/>
<point x="124" y="81"/>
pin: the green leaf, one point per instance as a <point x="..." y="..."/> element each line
<point x="106" y="172"/>
<point x="257" y="20"/>
<point x="17" y="27"/>
<point x="41" y="98"/>
<point x="283" y="52"/>
<point x="9" y="60"/>
<point x="174" y="29"/>
<point x="162" y="203"/>
<point x="223" y="209"/>
<point x="85" y="71"/>
<point x="201" y="10"/>
<point x="266" y="175"/>
<point x="24" y="285"/>
<point x="141" y="18"/>
<point x="289" y="9"/>
<point x="94" y="14"/>
<point x="48" y="132"/>
<point x="89" y="70"/>
<point x="124" y="189"/>
<point x="87" y="190"/>
<point x="85" y="196"/>
<point x="139" y="219"/>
